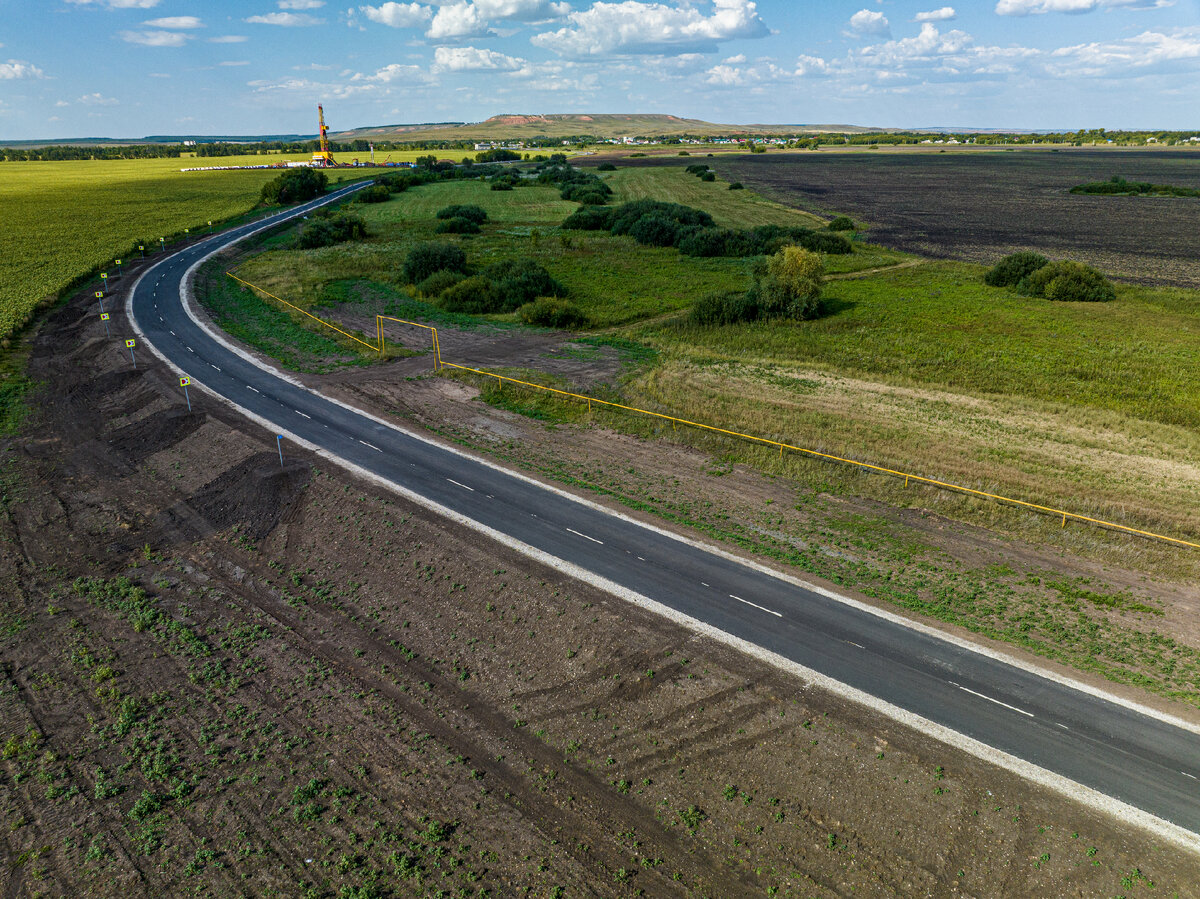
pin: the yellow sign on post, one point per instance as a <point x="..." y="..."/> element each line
<point x="131" y="343"/>
<point x="184" y="382"/>
<point x="103" y="316"/>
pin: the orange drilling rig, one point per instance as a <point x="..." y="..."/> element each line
<point x="323" y="158"/>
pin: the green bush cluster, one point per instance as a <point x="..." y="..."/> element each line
<point x="606" y="167"/>
<point x="378" y="193"/>
<point x="499" y="154"/>
<point x="501" y="287"/>
<point x="551" y="312"/>
<point x="786" y="285"/>
<point x="653" y="223"/>
<point x="295" y="186"/>
<point x="842" y="223"/>
<point x="1033" y="275"/>
<point x="460" y="219"/>
<point x="1117" y="185"/>
<point x="325" y="229"/>
<point x="585" y="188"/>
<point x="737" y="185"/>
<point x="427" y="259"/>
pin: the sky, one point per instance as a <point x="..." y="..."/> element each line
<point x="131" y="68"/>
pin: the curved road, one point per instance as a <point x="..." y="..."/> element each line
<point x="1146" y="761"/>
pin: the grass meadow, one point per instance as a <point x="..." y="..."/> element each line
<point x="65" y="219"/>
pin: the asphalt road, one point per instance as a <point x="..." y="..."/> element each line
<point x="1138" y="759"/>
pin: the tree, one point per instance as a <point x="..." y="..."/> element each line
<point x="788" y="284"/>
<point x="295" y="186"/>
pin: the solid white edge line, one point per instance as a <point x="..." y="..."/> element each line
<point x="1087" y="796"/>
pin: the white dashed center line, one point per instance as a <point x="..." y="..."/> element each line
<point x="301" y="414"/>
<point x="585" y="536"/>
<point x="997" y="701"/>
<point x="248" y="387"/>
<point x="364" y="443"/>
<point x="757" y="606"/>
<point x="463" y="486"/>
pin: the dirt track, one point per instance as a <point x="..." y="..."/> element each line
<point x="324" y="689"/>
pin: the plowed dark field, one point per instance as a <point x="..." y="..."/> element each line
<point x="978" y="205"/>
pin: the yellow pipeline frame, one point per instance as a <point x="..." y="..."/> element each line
<point x="379" y="320"/>
<point x="437" y="347"/>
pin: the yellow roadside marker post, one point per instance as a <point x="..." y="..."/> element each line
<point x="100" y="296"/>
<point x="183" y="382"/>
<point x="131" y="343"/>
<point x="104" y="318"/>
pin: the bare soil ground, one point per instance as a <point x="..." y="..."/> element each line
<point x="306" y="686"/>
<point x="980" y="205"/>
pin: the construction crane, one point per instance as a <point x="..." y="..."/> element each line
<point x="323" y="157"/>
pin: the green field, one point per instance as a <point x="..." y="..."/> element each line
<point x="64" y="219"/>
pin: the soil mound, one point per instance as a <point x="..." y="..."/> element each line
<point x="255" y="495"/>
<point x="155" y="432"/>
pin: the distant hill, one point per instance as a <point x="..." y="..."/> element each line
<point x="505" y="127"/>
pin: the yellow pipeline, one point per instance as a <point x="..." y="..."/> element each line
<point x="945" y="485"/>
<point x="302" y="312"/>
<point x="866" y="465"/>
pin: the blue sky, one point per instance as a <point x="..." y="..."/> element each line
<point x="123" y="68"/>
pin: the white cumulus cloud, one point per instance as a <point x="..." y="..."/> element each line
<point x="1040" y="7"/>
<point x="398" y="15"/>
<point x="869" y="21"/>
<point x="119" y="4"/>
<point x="945" y="14"/>
<point x="522" y="10"/>
<point x="177" y="22"/>
<point x="14" y="69"/>
<point x="97" y="100"/>
<point x="301" y="4"/>
<point x="229" y="39"/>
<point x="285" y="19"/>
<point x="155" y="38"/>
<point x="456" y="21"/>
<point x="473" y="59"/>
<point x="637" y="27"/>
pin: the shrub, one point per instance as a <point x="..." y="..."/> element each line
<point x="295" y="186"/>
<point x="705" y="242"/>
<point x="588" y="218"/>
<point x="471" y="213"/>
<point x="624" y="217"/>
<point x="377" y="194"/>
<point x="589" y="197"/>
<point x="655" y="230"/>
<point x="438" y="282"/>
<point x="823" y="242"/>
<point x="327" y="230"/>
<point x="725" y="309"/>
<point x="427" y="258"/>
<point x="1013" y="269"/>
<point x="842" y="223"/>
<point x="458" y="225"/>
<point x="684" y="153"/>
<point x="519" y="281"/>
<point x="708" y="176"/>
<point x="1069" y="282"/>
<point x="501" y="185"/>
<point x="696" y="168"/>
<point x="553" y="313"/>
<point x="475" y="295"/>
<point x="737" y="185"/>
<point x="606" y="167"/>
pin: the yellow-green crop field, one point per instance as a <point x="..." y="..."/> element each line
<point x="63" y="219"/>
